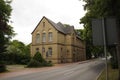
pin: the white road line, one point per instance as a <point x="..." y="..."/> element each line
<point x="70" y="72"/>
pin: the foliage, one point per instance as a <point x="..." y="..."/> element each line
<point x="45" y="63"/>
<point x="6" y="31"/>
<point x="33" y="63"/>
<point x="97" y="9"/>
<point x="113" y="74"/>
<point x="66" y="25"/>
<point x="80" y="32"/>
<point x="38" y="61"/>
<point x="114" y="63"/>
<point x="17" y="53"/>
<point x="2" y="66"/>
<point x="38" y="57"/>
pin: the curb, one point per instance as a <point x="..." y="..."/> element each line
<point x="99" y="74"/>
<point x="86" y="61"/>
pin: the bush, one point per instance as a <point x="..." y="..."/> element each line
<point x="38" y="61"/>
<point x="34" y="63"/>
<point x="15" y="58"/>
<point x="114" y="63"/>
<point x="38" y="57"/>
<point x="2" y="67"/>
<point x="47" y="63"/>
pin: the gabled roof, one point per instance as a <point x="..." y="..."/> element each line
<point x="58" y="26"/>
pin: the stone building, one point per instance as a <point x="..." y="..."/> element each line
<point x="57" y="43"/>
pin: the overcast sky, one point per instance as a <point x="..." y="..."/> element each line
<point x="26" y="15"/>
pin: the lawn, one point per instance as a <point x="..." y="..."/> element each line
<point x="112" y="74"/>
<point x="15" y="67"/>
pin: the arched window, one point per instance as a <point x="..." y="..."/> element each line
<point x="43" y="37"/>
<point x="50" y="51"/>
<point x="50" y="36"/>
<point x="43" y="49"/>
<point x="37" y="38"/>
<point x="43" y="24"/>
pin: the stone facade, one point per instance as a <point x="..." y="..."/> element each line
<point x="57" y="43"/>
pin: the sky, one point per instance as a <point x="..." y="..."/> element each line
<point x="26" y="14"/>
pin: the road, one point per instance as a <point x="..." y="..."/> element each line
<point x="85" y="71"/>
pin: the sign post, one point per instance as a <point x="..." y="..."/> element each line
<point x="104" y="32"/>
<point x="105" y="47"/>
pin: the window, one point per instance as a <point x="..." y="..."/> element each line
<point x="50" y="36"/>
<point x="37" y="49"/>
<point x="43" y="24"/>
<point x="43" y="49"/>
<point x="61" y="49"/>
<point x="49" y="53"/>
<point x="44" y="37"/>
<point x="38" y="38"/>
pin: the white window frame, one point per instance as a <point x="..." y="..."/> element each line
<point x="37" y="38"/>
<point x="49" y="51"/>
<point x="43" y="37"/>
<point x="50" y="36"/>
<point x="43" y="49"/>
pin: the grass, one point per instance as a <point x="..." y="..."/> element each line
<point x="112" y="74"/>
<point x="15" y="67"/>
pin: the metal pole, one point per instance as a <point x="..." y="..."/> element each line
<point x="105" y="50"/>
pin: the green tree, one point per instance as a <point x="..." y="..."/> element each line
<point x="80" y="32"/>
<point x="18" y="52"/>
<point x="97" y="9"/>
<point x="6" y="31"/>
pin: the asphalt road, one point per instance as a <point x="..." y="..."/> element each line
<point x="77" y="71"/>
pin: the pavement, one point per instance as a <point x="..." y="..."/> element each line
<point x="20" y="70"/>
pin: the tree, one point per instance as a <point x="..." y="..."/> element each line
<point x="80" y="32"/>
<point x="18" y="52"/>
<point x="6" y="31"/>
<point x="97" y="9"/>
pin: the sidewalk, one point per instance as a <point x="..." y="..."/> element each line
<point x="23" y="71"/>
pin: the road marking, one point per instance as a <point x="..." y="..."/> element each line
<point x="70" y="72"/>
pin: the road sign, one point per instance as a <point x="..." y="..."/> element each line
<point x="111" y="32"/>
<point x="105" y="33"/>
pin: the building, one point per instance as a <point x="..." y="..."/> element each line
<point x="57" y="43"/>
